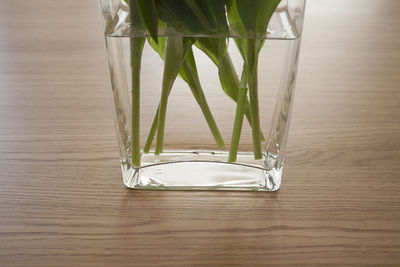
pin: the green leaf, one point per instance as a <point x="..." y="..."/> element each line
<point x="194" y="16"/>
<point x="215" y="10"/>
<point x="159" y="47"/>
<point x="198" y="13"/>
<point x="149" y="14"/>
<point x="234" y="19"/>
<point x="178" y="16"/>
<point x="255" y="17"/>
<point x="135" y="17"/>
<point x="214" y="47"/>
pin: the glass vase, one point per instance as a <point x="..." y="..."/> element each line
<point x="200" y="101"/>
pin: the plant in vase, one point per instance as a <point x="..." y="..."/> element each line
<point x="200" y="117"/>
<point x="248" y="19"/>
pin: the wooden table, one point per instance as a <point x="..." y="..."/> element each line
<point x="62" y="201"/>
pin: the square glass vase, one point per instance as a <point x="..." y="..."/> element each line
<point x="202" y="97"/>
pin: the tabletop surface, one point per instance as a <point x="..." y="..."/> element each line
<point x="62" y="200"/>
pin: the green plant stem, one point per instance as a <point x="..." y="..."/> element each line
<point x="136" y="46"/>
<point x="252" y="62"/>
<point x="192" y="78"/>
<point x="176" y="49"/>
<point x="152" y="132"/>
<point x="201" y="100"/>
<point x="231" y="85"/>
<point x="237" y="127"/>
<point x="188" y="73"/>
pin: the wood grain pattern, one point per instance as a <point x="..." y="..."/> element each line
<point x="62" y="201"/>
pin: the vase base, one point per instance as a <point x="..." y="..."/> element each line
<point x="201" y="175"/>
